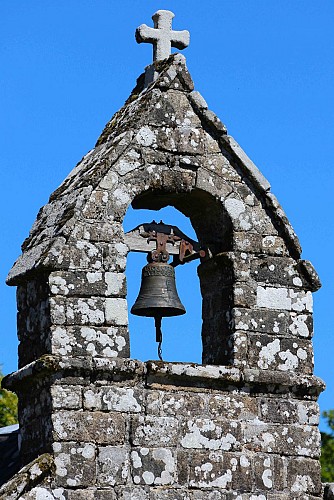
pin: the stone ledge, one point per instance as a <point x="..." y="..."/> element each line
<point x="47" y="365"/>
<point x="161" y="373"/>
<point x="28" y="477"/>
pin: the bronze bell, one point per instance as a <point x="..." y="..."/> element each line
<point x="158" y="296"/>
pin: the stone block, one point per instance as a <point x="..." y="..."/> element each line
<point x="209" y="181"/>
<point x="268" y="472"/>
<point x="287" y="411"/>
<point x="132" y="493"/>
<point x="66" y="397"/>
<point x="244" y="241"/>
<point x="210" y="495"/>
<point x="170" y="494"/>
<point x="97" y="205"/>
<point x="77" y="311"/>
<point x="130" y="160"/>
<point x="109" y="342"/>
<point x="180" y="179"/>
<point x="188" y="140"/>
<point x="220" y="470"/>
<point x="298" y="440"/>
<point x="175" y="403"/>
<point x="82" y="254"/>
<point x="116" y="312"/>
<point x="211" y="434"/>
<point x="119" y="399"/>
<point x="261" y="320"/>
<point x="113" y="257"/>
<point x="238" y="348"/>
<point x="274" y="245"/>
<point x="244" y="295"/>
<point x="91" y="283"/>
<point x="102" y="428"/>
<point x="82" y="494"/>
<point x="301" y="325"/>
<point x="232" y="406"/>
<point x="303" y="476"/>
<point x="277" y="271"/>
<point x="239" y="213"/>
<point x="284" y="298"/>
<point x="219" y="162"/>
<point x="100" y="231"/>
<point x="154" y="431"/>
<point x="75" y="464"/>
<point x="112" y="466"/>
<point x="175" y="109"/>
<point x="154" y="466"/>
<point x="284" y="354"/>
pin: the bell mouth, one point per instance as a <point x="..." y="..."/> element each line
<point x="158" y="312"/>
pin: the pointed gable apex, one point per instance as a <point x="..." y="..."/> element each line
<point x="165" y="121"/>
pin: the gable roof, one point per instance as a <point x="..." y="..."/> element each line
<point x="57" y="218"/>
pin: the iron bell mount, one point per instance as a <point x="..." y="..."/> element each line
<point x="158" y="296"/>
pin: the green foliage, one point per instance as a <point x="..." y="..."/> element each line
<point x="327" y="449"/>
<point x="8" y="406"/>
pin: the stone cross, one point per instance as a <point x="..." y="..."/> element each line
<point x="162" y="36"/>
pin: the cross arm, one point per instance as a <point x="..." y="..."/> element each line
<point x="145" y="34"/>
<point x="180" y="39"/>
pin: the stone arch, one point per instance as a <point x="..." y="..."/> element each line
<point x="157" y="187"/>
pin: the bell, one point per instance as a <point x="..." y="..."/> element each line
<point x="158" y="295"/>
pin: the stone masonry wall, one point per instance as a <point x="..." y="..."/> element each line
<point x="133" y="430"/>
<point x="241" y="426"/>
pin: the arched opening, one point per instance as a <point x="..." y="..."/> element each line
<point x="181" y="334"/>
<point x="213" y="230"/>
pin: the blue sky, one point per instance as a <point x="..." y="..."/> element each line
<point x="265" y="67"/>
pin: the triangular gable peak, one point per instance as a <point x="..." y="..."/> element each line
<point x="162" y="129"/>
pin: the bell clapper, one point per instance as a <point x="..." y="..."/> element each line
<point x="158" y="334"/>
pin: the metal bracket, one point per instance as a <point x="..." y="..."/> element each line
<point x="168" y="239"/>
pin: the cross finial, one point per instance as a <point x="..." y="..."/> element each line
<point x="162" y="36"/>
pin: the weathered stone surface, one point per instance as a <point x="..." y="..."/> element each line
<point x="74" y="311"/>
<point x="232" y="406"/>
<point x="132" y="493"/>
<point x="299" y="440"/>
<point x="280" y="354"/>
<point x="268" y="472"/>
<point x="109" y="342"/>
<point x="262" y="321"/>
<point x="66" y="397"/>
<point x="274" y="245"/>
<point x="303" y="476"/>
<point x="154" y="431"/>
<point x="278" y="270"/>
<point x="88" y="284"/>
<point x="75" y="464"/>
<point x="103" y="428"/>
<point x="284" y="298"/>
<point x="218" y="470"/>
<point x="154" y="466"/>
<point x="289" y="411"/>
<point x="244" y="295"/>
<point x="120" y="399"/>
<point x="112" y="466"/>
<point x="241" y="426"/>
<point x="211" y="434"/>
<point x="174" y="403"/>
